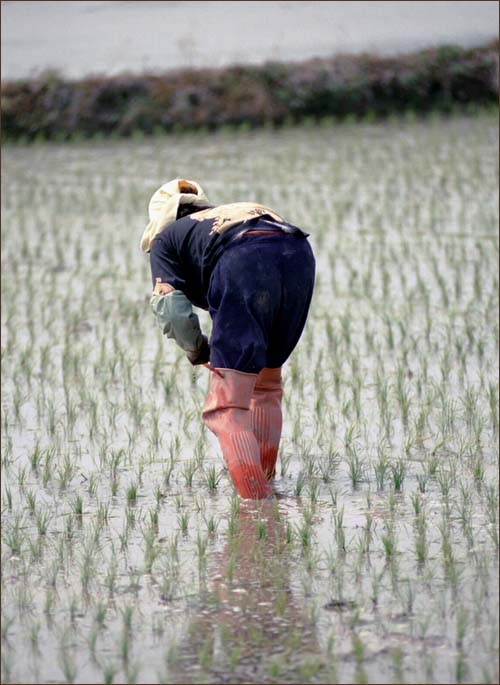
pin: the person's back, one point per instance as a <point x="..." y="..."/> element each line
<point x="186" y="251"/>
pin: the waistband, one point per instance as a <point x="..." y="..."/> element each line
<point x="263" y="232"/>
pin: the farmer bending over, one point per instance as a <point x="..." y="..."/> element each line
<point x="254" y="273"/>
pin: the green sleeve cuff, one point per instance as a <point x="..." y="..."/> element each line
<point x="174" y="315"/>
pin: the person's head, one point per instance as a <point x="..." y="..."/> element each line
<point x="170" y="202"/>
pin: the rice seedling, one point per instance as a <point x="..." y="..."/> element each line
<point x="285" y="459"/>
<point x="7" y="453"/>
<point x="189" y="469"/>
<point x="313" y="492"/>
<point x="42" y="520"/>
<point x="8" y="497"/>
<point x="494" y="404"/>
<point x="212" y="478"/>
<point x="31" y="501"/>
<point x="357" y="471"/>
<point x="132" y="493"/>
<point x="422" y="480"/>
<point x="15" y="537"/>
<point x="446" y="481"/>
<point x="366" y="536"/>
<point x="36" y="457"/>
<point x="299" y="484"/>
<point x="183" y="521"/>
<point x="491" y="492"/>
<point x="66" y="472"/>
<point x="432" y="463"/>
<point x="131" y="518"/>
<point x="338" y="519"/>
<point x="77" y="506"/>
<point x="92" y="484"/>
<point x="389" y="540"/>
<point x="398" y="471"/>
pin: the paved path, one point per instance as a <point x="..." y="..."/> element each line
<point x="85" y="37"/>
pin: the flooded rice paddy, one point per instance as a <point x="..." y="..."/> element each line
<point x="126" y="555"/>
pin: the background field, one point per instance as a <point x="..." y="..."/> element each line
<point x="125" y="554"/>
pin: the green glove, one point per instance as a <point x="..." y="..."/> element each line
<point x="202" y="355"/>
<point x="176" y="319"/>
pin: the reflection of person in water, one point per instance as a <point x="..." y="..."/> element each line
<point x="249" y="625"/>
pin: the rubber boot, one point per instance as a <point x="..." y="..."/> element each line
<point x="226" y="413"/>
<point x="266" y="416"/>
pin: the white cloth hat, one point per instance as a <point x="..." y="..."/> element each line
<point x="164" y="204"/>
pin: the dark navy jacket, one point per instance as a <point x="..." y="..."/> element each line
<point x="185" y="253"/>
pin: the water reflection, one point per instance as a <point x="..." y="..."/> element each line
<point x="249" y="626"/>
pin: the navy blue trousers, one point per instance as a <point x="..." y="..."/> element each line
<point x="259" y="297"/>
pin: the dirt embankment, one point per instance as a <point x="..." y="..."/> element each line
<point x="440" y="79"/>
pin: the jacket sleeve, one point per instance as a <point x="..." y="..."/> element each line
<point x="176" y="319"/>
<point x="165" y="262"/>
